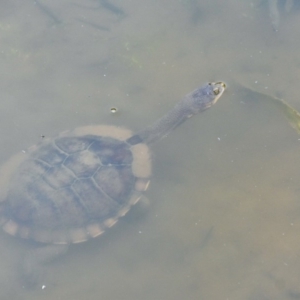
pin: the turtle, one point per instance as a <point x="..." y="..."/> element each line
<point x="72" y="187"/>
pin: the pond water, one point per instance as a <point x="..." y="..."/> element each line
<point x="223" y="220"/>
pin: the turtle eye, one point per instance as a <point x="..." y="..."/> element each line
<point x="216" y="91"/>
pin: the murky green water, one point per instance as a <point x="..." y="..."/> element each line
<point x="224" y="215"/>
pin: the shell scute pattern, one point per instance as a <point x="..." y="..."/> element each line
<point x="74" y="144"/>
<point x="70" y="212"/>
<point x="83" y="164"/>
<point x="67" y="184"/>
<point x="112" y="151"/>
<point x="89" y="194"/>
<point x="50" y="154"/>
<point x="115" y="181"/>
<point x="59" y="177"/>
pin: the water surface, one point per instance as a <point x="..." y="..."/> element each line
<point x="223" y="221"/>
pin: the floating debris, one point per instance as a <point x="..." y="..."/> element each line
<point x="111" y="7"/>
<point x="289" y="112"/>
<point x="113" y="110"/>
<point x="94" y="25"/>
<point x="46" y="11"/>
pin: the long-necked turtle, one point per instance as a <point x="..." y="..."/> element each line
<point x="71" y="188"/>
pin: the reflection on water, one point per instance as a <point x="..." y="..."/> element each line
<point x="223" y="222"/>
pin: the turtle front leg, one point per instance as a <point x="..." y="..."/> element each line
<point x="33" y="264"/>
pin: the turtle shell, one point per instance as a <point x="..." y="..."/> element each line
<point x="70" y="188"/>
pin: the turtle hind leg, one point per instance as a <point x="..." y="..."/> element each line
<point x="32" y="267"/>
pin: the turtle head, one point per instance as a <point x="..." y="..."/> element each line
<point x="205" y="96"/>
<point x="193" y="103"/>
